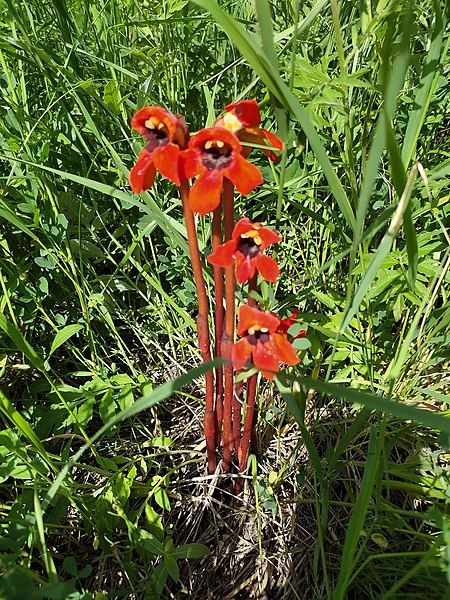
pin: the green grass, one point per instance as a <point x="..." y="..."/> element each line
<point x="103" y="491"/>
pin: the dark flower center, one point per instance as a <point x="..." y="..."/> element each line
<point x="248" y="247"/>
<point x="216" y="155"/>
<point x="257" y="335"/>
<point x="156" y="138"/>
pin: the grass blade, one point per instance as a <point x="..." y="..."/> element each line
<point x="358" y="516"/>
<point x="269" y="75"/>
<point x="379" y="403"/>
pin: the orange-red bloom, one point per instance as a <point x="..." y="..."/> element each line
<point x="261" y="340"/>
<point x="286" y="324"/>
<point x="165" y="135"/>
<point x="213" y="154"/>
<point x="243" y="118"/>
<point x="246" y="250"/>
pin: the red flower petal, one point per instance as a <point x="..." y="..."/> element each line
<point x="243" y="175"/>
<point x="267" y="267"/>
<point x="284" y="351"/>
<point x="253" y="317"/>
<point x="170" y="121"/>
<point x="268" y="237"/>
<point x="242" y="226"/>
<point x="142" y="175"/>
<point x="268" y="375"/>
<point x="247" y="111"/>
<point x="264" y="357"/>
<point x="286" y="323"/>
<point x="273" y="139"/>
<point x="215" y="134"/>
<point x="240" y="352"/>
<point x="166" y="160"/>
<point x="245" y="269"/>
<point x="191" y="164"/>
<point x="204" y="196"/>
<point x="223" y="256"/>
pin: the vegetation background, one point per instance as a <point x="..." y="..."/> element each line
<point x="103" y="492"/>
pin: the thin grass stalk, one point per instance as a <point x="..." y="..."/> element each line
<point x="218" y="320"/>
<point x="202" y="326"/>
<point x="244" y="449"/>
<point x="228" y="336"/>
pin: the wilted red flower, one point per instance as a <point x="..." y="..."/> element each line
<point x="286" y="324"/>
<point x="261" y="340"/>
<point x="246" y="250"/>
<point x="165" y="135"/>
<point x="243" y="118"/>
<point x="213" y="154"/>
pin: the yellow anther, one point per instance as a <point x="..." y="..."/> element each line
<point x="208" y="145"/>
<point x="250" y="234"/>
<point x="161" y="126"/>
<point x="231" y="122"/>
<point x="251" y="331"/>
<point x="151" y="123"/>
<point x="264" y="330"/>
<point x="257" y="240"/>
<point x="220" y="144"/>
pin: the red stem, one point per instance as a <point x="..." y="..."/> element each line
<point x="250" y="421"/>
<point x="228" y="337"/>
<point x="218" y="319"/>
<point x="202" y="325"/>
<point x="237" y="414"/>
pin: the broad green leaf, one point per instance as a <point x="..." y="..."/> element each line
<point x="63" y="335"/>
<point x="190" y="551"/>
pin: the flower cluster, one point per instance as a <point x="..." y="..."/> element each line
<point x="206" y="167"/>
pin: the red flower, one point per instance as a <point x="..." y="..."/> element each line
<point x="243" y="119"/>
<point x="286" y="324"/>
<point x="261" y="340"/>
<point x="165" y="134"/>
<point x="246" y="250"/>
<point x="213" y="154"/>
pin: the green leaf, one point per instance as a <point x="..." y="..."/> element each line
<point x="191" y="551"/>
<point x="63" y="335"/>
<point x="8" y="410"/>
<point x="17" y="584"/>
<point x="21" y="343"/>
<point x="158" y="394"/>
<point x="301" y="344"/>
<point x="381" y="252"/>
<point x="172" y="568"/>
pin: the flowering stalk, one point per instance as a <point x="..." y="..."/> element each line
<point x="251" y="416"/>
<point x="202" y="326"/>
<point x="218" y="319"/>
<point x="244" y="449"/>
<point x="248" y="433"/>
<point x="228" y="337"/>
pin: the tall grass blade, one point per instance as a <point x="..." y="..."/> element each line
<point x="358" y="516"/>
<point x="380" y="404"/>
<point x="269" y="75"/>
<point x="381" y="252"/>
